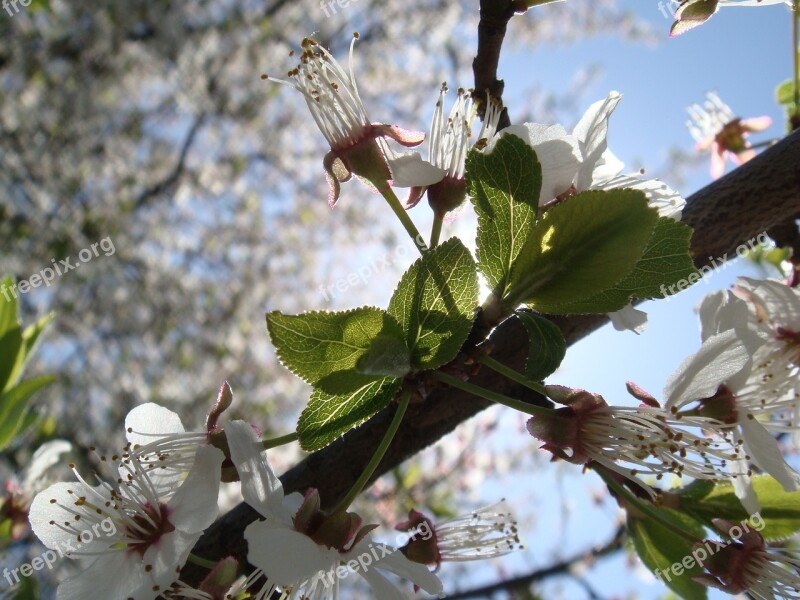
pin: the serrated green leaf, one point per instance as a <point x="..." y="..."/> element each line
<point x="386" y="357"/>
<point x="435" y="304"/>
<point x="504" y="187"/>
<point x="780" y="509"/>
<point x="547" y="345"/>
<point x="326" y="348"/>
<point x="14" y="407"/>
<point x="581" y="247"/>
<point x="665" y="262"/>
<point x="660" y="548"/>
<point x="328" y="416"/>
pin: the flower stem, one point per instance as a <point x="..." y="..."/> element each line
<point x="369" y="470"/>
<point x="397" y="207"/>
<point x="280" y="441"/>
<point x="530" y="409"/>
<point x="513" y="375"/>
<point x="641" y="505"/>
<point x="202" y="562"/>
<point x="436" y="230"/>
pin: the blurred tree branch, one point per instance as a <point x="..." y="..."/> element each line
<point x="561" y="567"/>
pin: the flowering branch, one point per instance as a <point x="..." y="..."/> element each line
<point x="731" y="210"/>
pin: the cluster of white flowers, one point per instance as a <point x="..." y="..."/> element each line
<point x="722" y="405"/>
<point x="160" y="493"/>
<point x="745" y="376"/>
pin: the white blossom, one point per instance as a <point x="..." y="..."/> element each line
<point x="299" y="566"/>
<point x="135" y="535"/>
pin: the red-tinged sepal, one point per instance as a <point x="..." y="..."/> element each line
<point x="640" y="394"/>
<point x="404" y="137"/>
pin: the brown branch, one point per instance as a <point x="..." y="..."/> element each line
<point x="734" y="209"/>
<point x="494" y="18"/>
<point x="564" y="566"/>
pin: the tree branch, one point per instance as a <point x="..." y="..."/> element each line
<point x="494" y="18"/>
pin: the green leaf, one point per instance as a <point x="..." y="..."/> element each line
<point x="14" y="407"/>
<point x="660" y="548"/>
<point x="330" y="416"/>
<point x="784" y="93"/>
<point x="9" y="309"/>
<point x="10" y="331"/>
<point x="547" y="345"/>
<point x="435" y="304"/>
<point x="10" y="344"/>
<point x="339" y="352"/>
<point x="504" y="187"/>
<point x="28" y="343"/>
<point x="665" y="263"/>
<point x="388" y="356"/>
<point x="581" y="247"/>
<point x="780" y="509"/>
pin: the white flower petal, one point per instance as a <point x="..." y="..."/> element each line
<point x="381" y="587"/>
<point x="592" y="133"/>
<point x="110" y="576"/>
<point x="629" y="319"/>
<point x="286" y="556"/>
<point x="167" y="557"/>
<point x="194" y="506"/>
<point x="396" y="562"/>
<point x="410" y="170"/>
<point x="47" y="455"/>
<point x="765" y="454"/>
<point x="608" y="167"/>
<point x="261" y="488"/>
<point x="779" y="303"/>
<point x="699" y="376"/>
<point x="743" y="483"/>
<point x="148" y="422"/>
<point x="660" y="196"/>
<point x="721" y="311"/>
<point x="557" y="152"/>
<point x="48" y="506"/>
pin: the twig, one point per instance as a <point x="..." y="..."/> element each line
<point x="559" y="568"/>
<point x="494" y="18"/>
